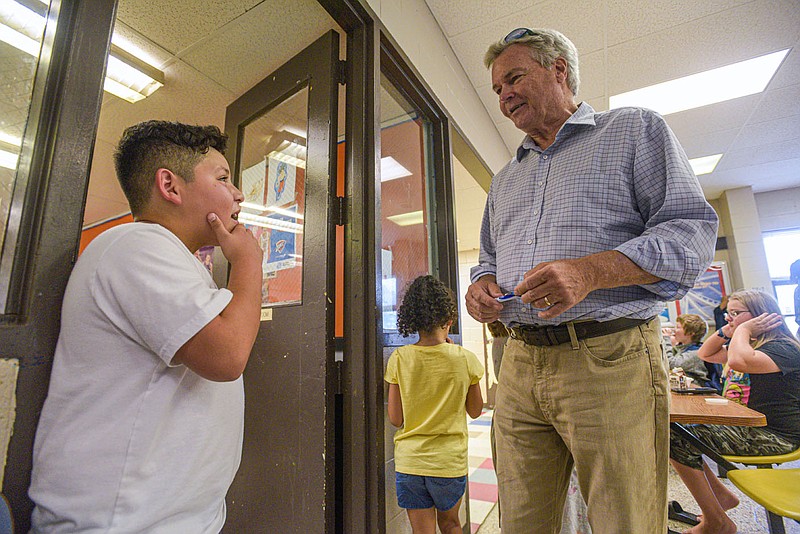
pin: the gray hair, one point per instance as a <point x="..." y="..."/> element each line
<point x="546" y="46"/>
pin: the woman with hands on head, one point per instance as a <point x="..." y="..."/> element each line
<point x="755" y="341"/>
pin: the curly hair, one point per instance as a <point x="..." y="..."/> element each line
<point x="693" y="326"/>
<point x="148" y="146"/>
<point x="428" y="304"/>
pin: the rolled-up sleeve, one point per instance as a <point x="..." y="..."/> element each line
<point x="487" y="260"/>
<point x="681" y="227"/>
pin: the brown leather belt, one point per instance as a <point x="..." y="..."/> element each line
<point x="550" y="335"/>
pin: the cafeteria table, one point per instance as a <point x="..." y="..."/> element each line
<point x="692" y="409"/>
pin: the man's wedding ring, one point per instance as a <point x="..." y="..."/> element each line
<point x="547" y="302"/>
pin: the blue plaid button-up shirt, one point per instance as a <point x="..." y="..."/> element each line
<point x="616" y="180"/>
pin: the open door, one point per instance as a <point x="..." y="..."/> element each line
<point x="283" y="158"/>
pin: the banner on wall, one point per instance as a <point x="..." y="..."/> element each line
<point x="706" y="293"/>
<point x="253" y="179"/>
<point x="280" y="182"/>
<point x="281" y="254"/>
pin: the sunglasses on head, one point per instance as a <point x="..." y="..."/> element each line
<point x="519" y="33"/>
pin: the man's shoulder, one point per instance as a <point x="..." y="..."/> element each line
<point x="628" y="113"/>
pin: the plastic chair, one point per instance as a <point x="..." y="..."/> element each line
<point x="764" y="462"/>
<point x="777" y="490"/>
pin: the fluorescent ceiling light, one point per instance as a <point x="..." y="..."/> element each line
<point x="10" y="139"/>
<point x="127" y="76"/>
<point x="269" y="222"/>
<point x="704" y="88"/>
<point x="391" y="170"/>
<point x="19" y="41"/>
<point x="295" y="131"/>
<point x="8" y="160"/>
<point x="704" y="165"/>
<point x="407" y="219"/>
<point x="291" y="160"/>
<point x="259" y="208"/>
<point x="132" y="78"/>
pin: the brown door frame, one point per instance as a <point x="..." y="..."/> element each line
<point x="68" y="93"/>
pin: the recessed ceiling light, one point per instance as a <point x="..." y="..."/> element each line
<point x="391" y="170"/>
<point x="704" y="165"/>
<point x="704" y="88"/>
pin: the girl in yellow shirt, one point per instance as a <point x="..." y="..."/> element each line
<point x="433" y="384"/>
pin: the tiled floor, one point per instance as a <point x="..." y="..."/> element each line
<point x="482" y="482"/>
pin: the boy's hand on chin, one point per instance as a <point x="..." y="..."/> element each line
<point x="238" y="245"/>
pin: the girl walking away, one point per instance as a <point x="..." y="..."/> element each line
<point x="432" y="383"/>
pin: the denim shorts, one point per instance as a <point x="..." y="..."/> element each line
<point x="416" y="492"/>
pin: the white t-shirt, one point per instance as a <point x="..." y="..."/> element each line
<point x="126" y="442"/>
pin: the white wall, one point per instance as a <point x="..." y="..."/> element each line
<point x="779" y="210"/>
<point x="413" y="26"/>
<point x="472" y="330"/>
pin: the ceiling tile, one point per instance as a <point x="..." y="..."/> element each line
<point x="157" y="20"/>
<point x="458" y="16"/>
<point x="258" y="50"/>
<point x="630" y="20"/>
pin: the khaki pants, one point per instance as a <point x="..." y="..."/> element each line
<point x="605" y="406"/>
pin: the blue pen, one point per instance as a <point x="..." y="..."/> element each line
<point x="507" y="296"/>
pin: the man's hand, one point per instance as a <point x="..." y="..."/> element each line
<point x="239" y="244"/>
<point x="480" y="299"/>
<point x="556" y="286"/>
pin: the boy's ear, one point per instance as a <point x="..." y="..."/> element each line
<point x="169" y="186"/>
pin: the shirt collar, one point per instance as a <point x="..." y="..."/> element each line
<point x="583" y="116"/>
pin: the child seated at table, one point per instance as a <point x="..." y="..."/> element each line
<point x="685" y="341"/>
<point x="761" y="345"/>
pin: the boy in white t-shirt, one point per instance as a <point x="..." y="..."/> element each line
<point x="142" y="427"/>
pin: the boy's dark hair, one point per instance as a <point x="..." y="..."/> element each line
<point x="151" y="145"/>
<point x="428" y="304"/>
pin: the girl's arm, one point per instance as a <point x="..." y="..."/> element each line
<point x="741" y="356"/>
<point x="396" y="405"/>
<point x="474" y="401"/>
<point x="713" y="349"/>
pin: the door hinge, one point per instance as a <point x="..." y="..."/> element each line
<point x="340" y="211"/>
<point x="342" y="72"/>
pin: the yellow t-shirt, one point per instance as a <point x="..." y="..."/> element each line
<point x="433" y="384"/>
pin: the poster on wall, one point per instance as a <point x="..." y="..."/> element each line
<point x="280" y="182"/>
<point x="281" y="253"/>
<point x="206" y="257"/>
<point x="706" y="293"/>
<point x="253" y="179"/>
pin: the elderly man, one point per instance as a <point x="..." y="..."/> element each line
<point x="595" y="222"/>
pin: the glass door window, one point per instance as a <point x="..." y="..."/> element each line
<point x="22" y="29"/>
<point x="406" y="251"/>
<point x="273" y="164"/>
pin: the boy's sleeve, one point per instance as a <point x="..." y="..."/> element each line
<point x="391" y="369"/>
<point x="156" y="294"/>
<point x="474" y="368"/>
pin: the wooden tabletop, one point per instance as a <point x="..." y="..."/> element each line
<point x="693" y="409"/>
